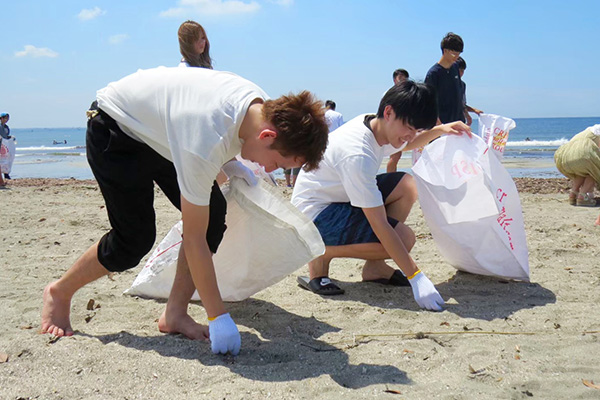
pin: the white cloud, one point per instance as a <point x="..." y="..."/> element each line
<point x="284" y="3"/>
<point x="211" y="7"/>
<point x="90" y="13"/>
<point x="116" y="39"/>
<point x="32" y="51"/>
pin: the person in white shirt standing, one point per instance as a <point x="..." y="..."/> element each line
<point x="361" y="214"/>
<point x="179" y="127"/>
<point x="334" y="119"/>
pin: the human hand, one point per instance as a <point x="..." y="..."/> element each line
<point x="236" y="168"/>
<point x="224" y="335"/>
<point x="455" y="128"/>
<point x="425" y="293"/>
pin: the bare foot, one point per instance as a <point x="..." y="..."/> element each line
<point x="183" y="324"/>
<point x="597" y="221"/>
<point x="55" y="313"/>
<point x="376" y="269"/>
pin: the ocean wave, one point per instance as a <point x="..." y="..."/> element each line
<point x="49" y="148"/>
<point x="537" y="143"/>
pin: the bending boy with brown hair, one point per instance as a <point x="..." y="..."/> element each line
<point x="178" y="127"/>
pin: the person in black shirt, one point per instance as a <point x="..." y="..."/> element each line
<point x="444" y="77"/>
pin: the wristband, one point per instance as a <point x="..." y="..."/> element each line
<point x="212" y="319"/>
<point x="413" y="275"/>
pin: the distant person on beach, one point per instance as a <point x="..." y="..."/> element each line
<point x="334" y="119"/>
<point x="444" y="77"/>
<point x="179" y="127"/>
<point x="4" y="134"/>
<point x="291" y="175"/>
<point x="398" y="76"/>
<point x="462" y="66"/>
<point x="579" y="160"/>
<point x="194" y="45"/>
<point x="362" y="215"/>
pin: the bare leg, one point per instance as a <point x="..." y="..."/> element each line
<point x="375" y="266"/>
<point x="57" y="295"/>
<point x="175" y="318"/>
<point x="577" y="182"/>
<point x="319" y="266"/>
<point x="588" y="185"/>
<point x="399" y="203"/>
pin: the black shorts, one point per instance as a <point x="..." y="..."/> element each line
<point x="126" y="170"/>
<point x="341" y="223"/>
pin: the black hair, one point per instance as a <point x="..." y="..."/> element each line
<point x="330" y="104"/>
<point x="462" y="64"/>
<point x="400" y="71"/>
<point x="413" y="103"/>
<point x="452" y="42"/>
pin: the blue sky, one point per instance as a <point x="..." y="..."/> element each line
<point x="525" y="58"/>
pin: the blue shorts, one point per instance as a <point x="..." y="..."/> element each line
<point x="342" y="224"/>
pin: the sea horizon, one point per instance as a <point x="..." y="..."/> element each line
<point x="61" y="152"/>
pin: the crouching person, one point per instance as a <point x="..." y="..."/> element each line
<point x="361" y="214"/>
<point x="179" y="127"/>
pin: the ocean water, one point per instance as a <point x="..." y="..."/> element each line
<point x="60" y="152"/>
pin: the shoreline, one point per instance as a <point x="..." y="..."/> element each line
<point x="524" y="185"/>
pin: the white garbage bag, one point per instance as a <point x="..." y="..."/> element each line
<point x="267" y="238"/>
<point x="7" y="154"/>
<point x="494" y="131"/>
<point x="472" y="207"/>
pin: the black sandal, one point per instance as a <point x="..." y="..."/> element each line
<point x="397" y="279"/>
<point x="321" y="285"/>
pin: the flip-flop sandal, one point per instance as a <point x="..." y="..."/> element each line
<point x="397" y="279"/>
<point x="321" y="285"/>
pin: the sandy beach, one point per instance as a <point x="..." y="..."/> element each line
<point x="495" y="339"/>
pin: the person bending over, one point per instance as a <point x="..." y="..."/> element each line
<point x="178" y="127"/>
<point x="360" y="214"/>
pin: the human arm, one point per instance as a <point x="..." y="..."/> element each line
<point x="452" y="128"/>
<point x="224" y="335"/>
<point x="468" y="119"/>
<point x="473" y="110"/>
<point x="392" y="164"/>
<point x="424" y="291"/>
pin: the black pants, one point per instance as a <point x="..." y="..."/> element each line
<point x="126" y="170"/>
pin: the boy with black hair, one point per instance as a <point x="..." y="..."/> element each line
<point x="360" y="214"/>
<point x="400" y="75"/>
<point x="179" y="127"/>
<point x="462" y="66"/>
<point x="445" y="79"/>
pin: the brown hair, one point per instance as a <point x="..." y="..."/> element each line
<point x="189" y="33"/>
<point x="299" y="121"/>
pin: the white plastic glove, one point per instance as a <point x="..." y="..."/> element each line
<point x="426" y="295"/>
<point x="235" y="168"/>
<point x="224" y="335"/>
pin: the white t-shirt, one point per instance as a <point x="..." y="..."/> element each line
<point x="190" y="116"/>
<point x="346" y="173"/>
<point x="334" y="120"/>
